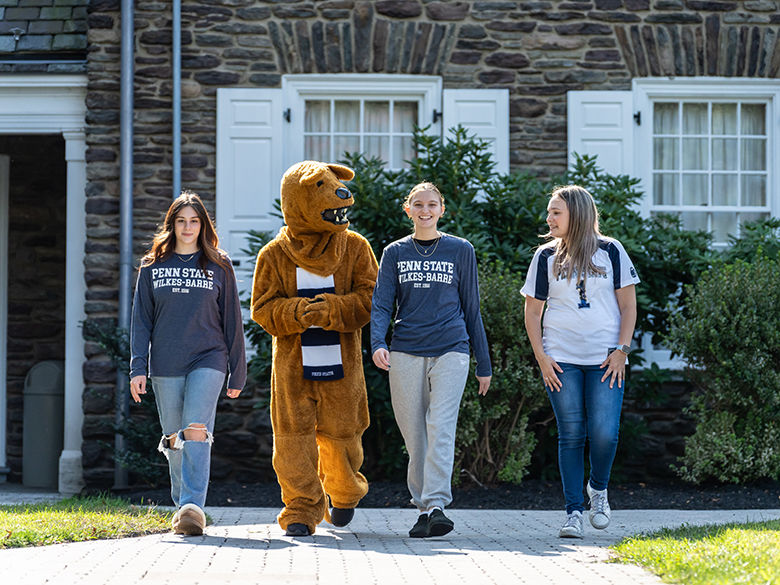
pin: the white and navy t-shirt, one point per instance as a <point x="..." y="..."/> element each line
<point x="582" y="319"/>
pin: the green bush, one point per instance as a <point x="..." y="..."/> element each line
<point x="502" y="216"/>
<point x="512" y="216"/>
<point x="383" y="446"/>
<point x="758" y="238"/>
<point x="729" y="333"/>
<point x="462" y="169"/>
<point x="259" y="342"/>
<point x="141" y="429"/>
<point x="493" y="440"/>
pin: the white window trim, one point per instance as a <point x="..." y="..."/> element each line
<point x="297" y="88"/>
<point x="55" y="104"/>
<point x="646" y="91"/>
<point x="5" y="165"/>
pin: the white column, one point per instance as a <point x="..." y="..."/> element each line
<point x="71" y="479"/>
<point x="4" y="180"/>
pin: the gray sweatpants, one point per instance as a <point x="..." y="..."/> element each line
<point x="426" y="393"/>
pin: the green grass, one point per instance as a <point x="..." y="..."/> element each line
<point x="77" y="519"/>
<point x="709" y="555"/>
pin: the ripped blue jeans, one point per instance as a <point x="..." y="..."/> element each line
<point x="188" y="403"/>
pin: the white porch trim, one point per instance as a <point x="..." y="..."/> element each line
<point x="55" y="104"/>
<point x="4" y="168"/>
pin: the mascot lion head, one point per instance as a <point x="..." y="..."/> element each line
<point x="314" y="199"/>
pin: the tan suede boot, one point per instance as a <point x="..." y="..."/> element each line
<point x="189" y="520"/>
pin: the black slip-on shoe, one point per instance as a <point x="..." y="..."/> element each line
<point x="420" y="528"/>
<point x="341" y="516"/>
<point x="439" y="524"/>
<point x="297" y="529"/>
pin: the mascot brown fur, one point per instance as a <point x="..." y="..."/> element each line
<point x="317" y="423"/>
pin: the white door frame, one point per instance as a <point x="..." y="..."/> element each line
<point x="56" y="104"/>
<point x="5" y="165"/>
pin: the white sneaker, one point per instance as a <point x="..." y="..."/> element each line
<point x="572" y="528"/>
<point x="599" y="508"/>
<point x="189" y="520"/>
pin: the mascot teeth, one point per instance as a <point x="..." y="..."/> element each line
<point x="337" y="216"/>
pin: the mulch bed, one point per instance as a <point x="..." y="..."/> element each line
<point x="532" y="494"/>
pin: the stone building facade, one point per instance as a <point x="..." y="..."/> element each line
<point x="536" y="50"/>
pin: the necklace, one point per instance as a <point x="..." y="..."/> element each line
<point x="429" y="250"/>
<point x="188" y="258"/>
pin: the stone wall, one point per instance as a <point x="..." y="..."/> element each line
<point x="36" y="270"/>
<point x="653" y="432"/>
<point x="538" y="50"/>
<point x="43" y="36"/>
<point x="243" y="441"/>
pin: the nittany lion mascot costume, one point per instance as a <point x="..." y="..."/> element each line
<point x="312" y="292"/>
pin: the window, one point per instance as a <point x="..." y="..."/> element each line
<point x="376" y="128"/>
<point x="371" y="114"/>
<point x="710" y="164"/>
<point x="704" y="148"/>
<point x="706" y="151"/>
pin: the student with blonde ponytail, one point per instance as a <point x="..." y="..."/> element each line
<point x="428" y="289"/>
<point x="587" y="282"/>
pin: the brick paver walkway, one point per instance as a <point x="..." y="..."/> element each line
<point x="245" y="545"/>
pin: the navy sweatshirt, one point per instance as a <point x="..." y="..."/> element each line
<point x="438" y="300"/>
<point x="191" y="319"/>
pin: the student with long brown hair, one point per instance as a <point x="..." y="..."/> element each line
<point x="187" y="335"/>
<point x="587" y="282"/>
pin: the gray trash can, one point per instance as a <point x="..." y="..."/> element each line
<point x="44" y="403"/>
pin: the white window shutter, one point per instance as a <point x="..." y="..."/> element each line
<point x="601" y="123"/>
<point x="483" y="112"/>
<point x="249" y="168"/>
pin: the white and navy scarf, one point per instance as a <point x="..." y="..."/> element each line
<point x="321" y="349"/>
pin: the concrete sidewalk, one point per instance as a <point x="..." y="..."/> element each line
<point x="245" y="545"/>
<point x="14" y="493"/>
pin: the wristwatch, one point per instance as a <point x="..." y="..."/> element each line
<point x="626" y="349"/>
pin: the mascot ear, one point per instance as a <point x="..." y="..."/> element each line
<point x="342" y="173"/>
<point x="310" y="171"/>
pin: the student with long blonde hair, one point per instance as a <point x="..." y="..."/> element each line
<point x="187" y="334"/>
<point x="587" y="282"/>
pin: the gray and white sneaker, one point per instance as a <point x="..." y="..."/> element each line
<point x="572" y="528"/>
<point x="599" y="508"/>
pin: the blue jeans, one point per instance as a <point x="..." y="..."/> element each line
<point x="585" y="408"/>
<point x="183" y="401"/>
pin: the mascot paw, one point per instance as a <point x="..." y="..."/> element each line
<point x="318" y="312"/>
<point x="341" y="516"/>
<point x="296" y="529"/>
